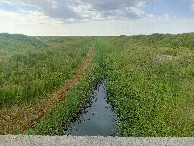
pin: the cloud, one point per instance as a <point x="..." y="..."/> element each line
<point x="60" y="17"/>
<point x="30" y="18"/>
<point x="55" y="9"/>
<point x="141" y="4"/>
<point x="85" y="10"/>
<point x="37" y="24"/>
<point x="108" y="5"/>
<point x="192" y="6"/>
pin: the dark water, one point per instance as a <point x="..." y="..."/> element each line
<point x="98" y="118"/>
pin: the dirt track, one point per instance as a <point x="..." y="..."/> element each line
<point x="17" y="119"/>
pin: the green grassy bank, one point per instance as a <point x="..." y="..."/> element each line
<point x="31" y="67"/>
<point x="150" y="82"/>
<point x="149" y="79"/>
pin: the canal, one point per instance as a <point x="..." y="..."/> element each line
<point x="97" y="119"/>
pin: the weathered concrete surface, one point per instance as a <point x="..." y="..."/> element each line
<point x="27" y="140"/>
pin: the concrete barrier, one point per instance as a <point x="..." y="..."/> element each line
<point x="29" y="140"/>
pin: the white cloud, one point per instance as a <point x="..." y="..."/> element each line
<point x="137" y="11"/>
<point x="30" y="18"/>
<point x="141" y="4"/>
<point x="110" y="17"/>
<point x="36" y="23"/>
<point x="85" y="10"/>
<point x="192" y="5"/>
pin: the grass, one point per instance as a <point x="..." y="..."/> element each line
<point x="149" y="80"/>
<point x="42" y="66"/>
<point x="32" y="67"/>
<point x="152" y="96"/>
<point x="61" y="117"/>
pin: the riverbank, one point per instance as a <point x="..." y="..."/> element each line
<point x="149" y="82"/>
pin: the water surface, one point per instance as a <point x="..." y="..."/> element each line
<point x="97" y="119"/>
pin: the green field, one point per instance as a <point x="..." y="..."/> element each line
<point x="149" y="80"/>
<point x="30" y="67"/>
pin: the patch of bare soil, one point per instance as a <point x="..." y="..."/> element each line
<point x="17" y="119"/>
<point x="192" y="113"/>
<point x="161" y="58"/>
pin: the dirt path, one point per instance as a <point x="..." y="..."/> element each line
<point x="17" y="119"/>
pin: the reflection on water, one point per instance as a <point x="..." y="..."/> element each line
<point x="98" y="118"/>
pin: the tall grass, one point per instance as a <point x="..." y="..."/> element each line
<point x="149" y="79"/>
<point x="31" y="67"/>
<point x="152" y="94"/>
<point x="60" y="118"/>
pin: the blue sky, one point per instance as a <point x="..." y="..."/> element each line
<point x="100" y="17"/>
<point x="179" y="8"/>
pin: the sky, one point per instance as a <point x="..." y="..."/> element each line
<point x="96" y="17"/>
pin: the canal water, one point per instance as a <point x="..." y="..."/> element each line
<point x="97" y="119"/>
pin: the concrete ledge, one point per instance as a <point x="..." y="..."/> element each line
<point x="29" y="140"/>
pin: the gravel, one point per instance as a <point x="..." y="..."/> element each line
<point x="29" y="140"/>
